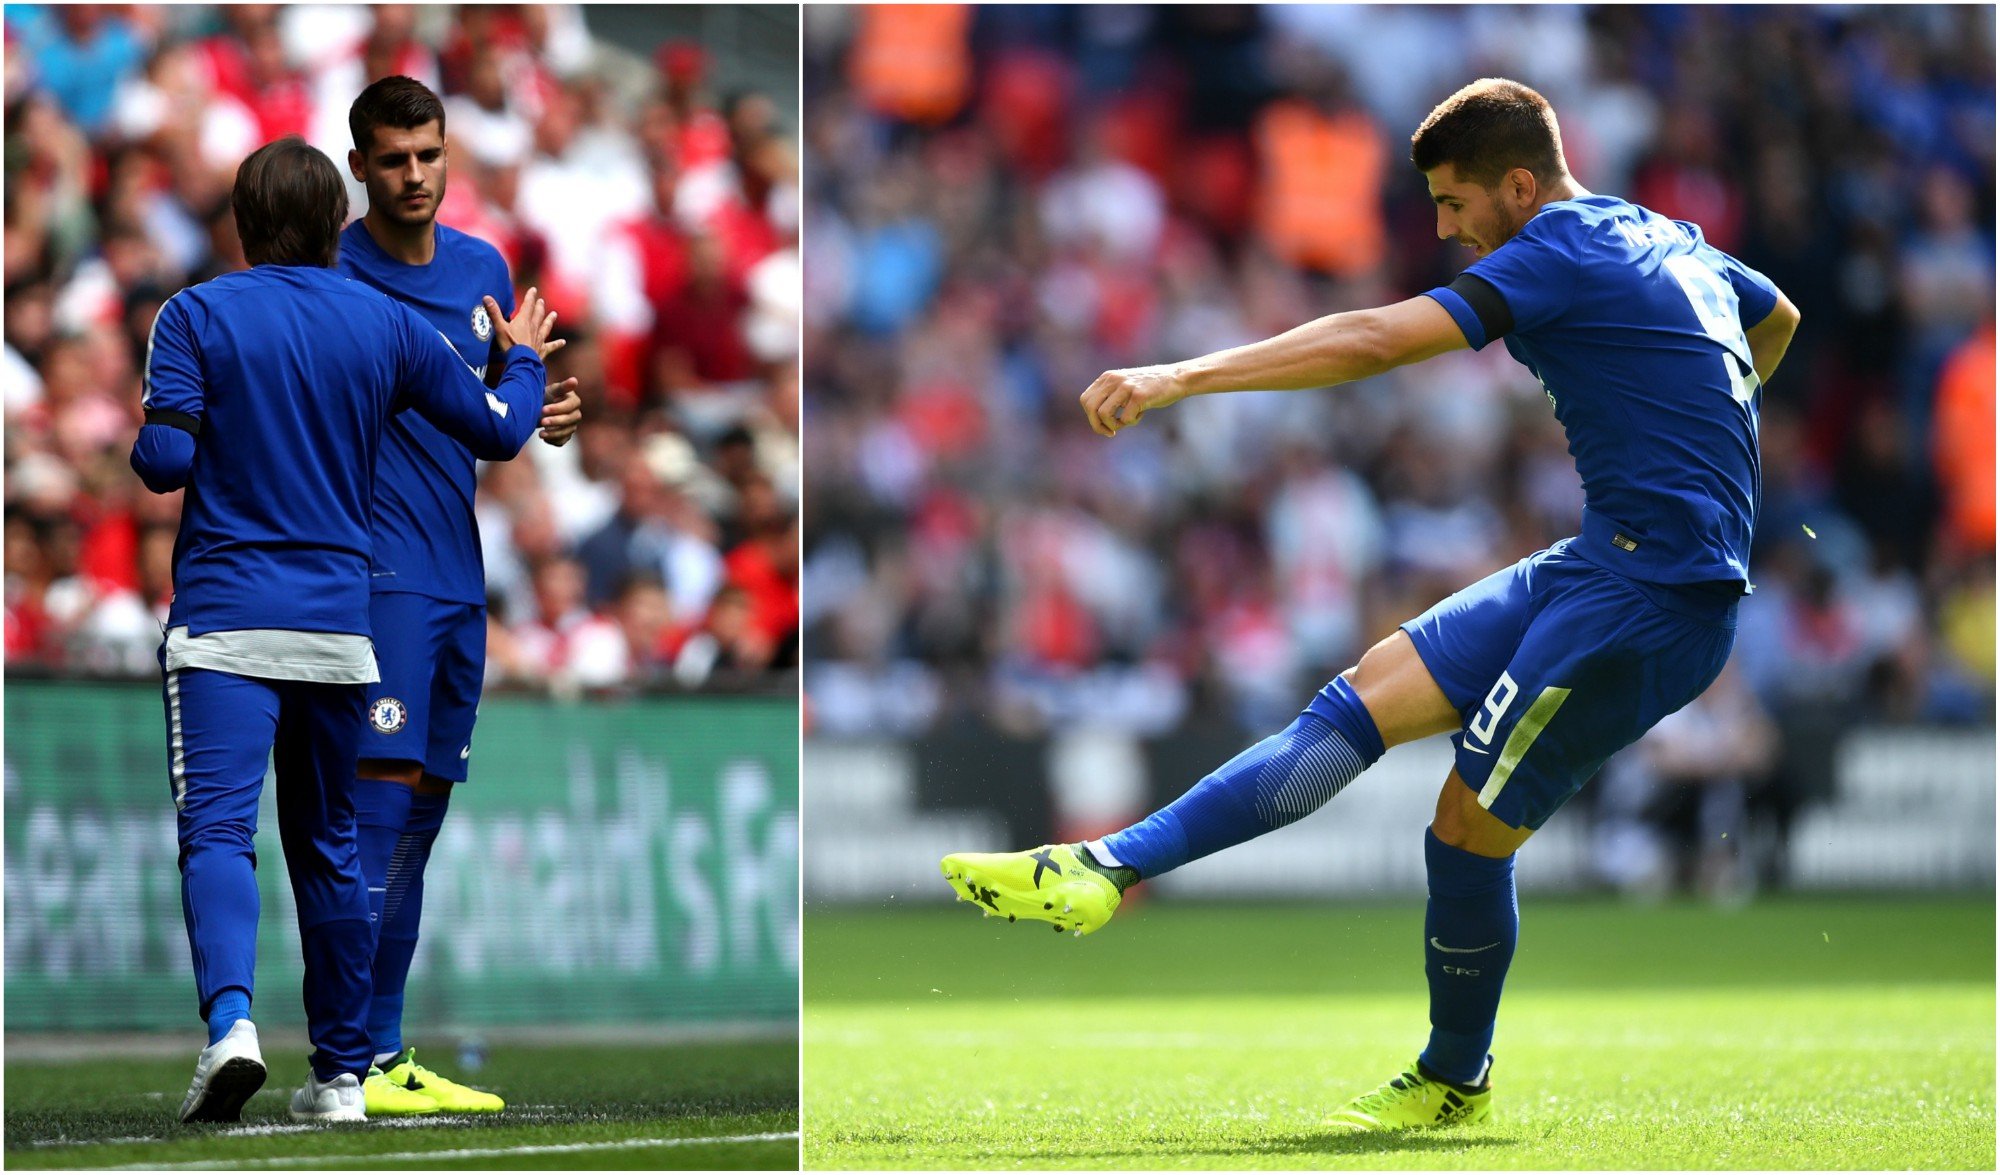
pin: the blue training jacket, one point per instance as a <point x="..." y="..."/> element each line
<point x="266" y="393"/>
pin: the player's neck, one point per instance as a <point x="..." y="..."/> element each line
<point x="409" y="244"/>
<point x="1565" y="188"/>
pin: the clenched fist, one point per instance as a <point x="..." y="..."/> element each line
<point x="1119" y="398"/>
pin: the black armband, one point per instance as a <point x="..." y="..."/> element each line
<point x="180" y="420"/>
<point x="1486" y="303"/>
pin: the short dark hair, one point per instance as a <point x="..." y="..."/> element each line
<point x="397" y="101"/>
<point x="1488" y="129"/>
<point x="290" y="205"/>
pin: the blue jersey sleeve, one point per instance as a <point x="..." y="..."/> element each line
<point x="1533" y="274"/>
<point x="436" y="382"/>
<point x="1756" y="295"/>
<point x="1526" y="283"/>
<point x="174" y="401"/>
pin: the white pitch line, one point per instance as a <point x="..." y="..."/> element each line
<point x="433" y="1121"/>
<point x="489" y="1152"/>
<point x="422" y="1121"/>
<point x="95" y="1141"/>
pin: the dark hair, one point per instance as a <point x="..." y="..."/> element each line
<point x="1488" y="129"/>
<point x="290" y="205"/>
<point x="397" y="101"/>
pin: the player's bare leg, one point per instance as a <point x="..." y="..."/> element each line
<point x="1461" y="823"/>
<point x="1399" y="692"/>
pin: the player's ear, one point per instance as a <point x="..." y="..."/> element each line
<point x="354" y="162"/>
<point x="1521" y="185"/>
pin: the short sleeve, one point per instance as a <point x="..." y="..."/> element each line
<point x="1756" y="295"/>
<point x="1534" y="274"/>
<point x="1477" y="308"/>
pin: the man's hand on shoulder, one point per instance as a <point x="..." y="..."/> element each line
<point x="1119" y="398"/>
<point x="562" y="413"/>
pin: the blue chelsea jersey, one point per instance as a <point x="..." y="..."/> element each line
<point x="425" y="539"/>
<point x="1635" y="326"/>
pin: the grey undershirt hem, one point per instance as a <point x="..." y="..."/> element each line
<point x="280" y="654"/>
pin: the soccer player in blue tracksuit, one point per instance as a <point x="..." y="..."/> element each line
<point x="428" y="588"/>
<point x="266" y="393"/>
<point x="1653" y="348"/>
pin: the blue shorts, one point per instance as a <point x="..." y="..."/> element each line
<point x="432" y="654"/>
<point x="1555" y="664"/>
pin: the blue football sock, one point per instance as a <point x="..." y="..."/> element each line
<point x="1266" y="787"/>
<point x="381" y="809"/>
<point x="402" y="909"/>
<point x="1470" y="928"/>
<point x="231" y="1004"/>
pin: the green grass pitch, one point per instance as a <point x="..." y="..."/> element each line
<point x="678" y="1106"/>
<point x="1796" y="1033"/>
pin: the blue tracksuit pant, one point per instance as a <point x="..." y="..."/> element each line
<point x="221" y="730"/>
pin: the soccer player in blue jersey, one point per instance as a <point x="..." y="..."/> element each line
<point x="1653" y="348"/>
<point x="428" y="588"/>
<point x="266" y="392"/>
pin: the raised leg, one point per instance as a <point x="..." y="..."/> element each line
<point x="1387" y="699"/>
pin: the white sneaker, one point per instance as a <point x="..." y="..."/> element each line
<point x="225" y="1075"/>
<point x="338" y="1100"/>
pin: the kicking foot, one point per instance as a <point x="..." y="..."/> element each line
<point x="444" y="1094"/>
<point x="225" y="1075"/>
<point x="338" y="1100"/>
<point x="1049" y="884"/>
<point x="1417" y="1098"/>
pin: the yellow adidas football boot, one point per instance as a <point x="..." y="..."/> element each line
<point x="384" y="1098"/>
<point x="443" y="1093"/>
<point x="1049" y="884"/>
<point x="1414" y="1099"/>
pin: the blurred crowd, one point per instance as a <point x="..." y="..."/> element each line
<point x="656" y="210"/>
<point x="1006" y="201"/>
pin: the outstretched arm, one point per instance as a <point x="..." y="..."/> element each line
<point x="1769" y="338"/>
<point x="494" y="423"/>
<point x="1331" y="350"/>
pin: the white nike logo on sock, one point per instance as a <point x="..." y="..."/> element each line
<point x="1461" y="950"/>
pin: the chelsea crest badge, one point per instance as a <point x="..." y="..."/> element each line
<point x="387" y="715"/>
<point x="482" y="323"/>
